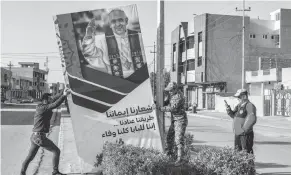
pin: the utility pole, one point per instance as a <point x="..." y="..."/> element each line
<point x="155" y="76"/>
<point x="243" y="43"/>
<point x="10" y="76"/>
<point x="185" y="29"/>
<point x="46" y="74"/>
<point x="160" y="69"/>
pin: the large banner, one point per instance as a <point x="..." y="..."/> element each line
<point x="104" y="64"/>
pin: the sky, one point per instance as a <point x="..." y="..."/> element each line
<point x="28" y="34"/>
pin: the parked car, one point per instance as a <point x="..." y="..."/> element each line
<point x="3" y="99"/>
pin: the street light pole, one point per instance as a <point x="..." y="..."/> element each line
<point x="243" y="43"/>
<point x="9" y="83"/>
<point x="154" y="81"/>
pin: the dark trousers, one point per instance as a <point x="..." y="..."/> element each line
<point x="245" y="142"/>
<point x="176" y="134"/>
<point x="38" y="141"/>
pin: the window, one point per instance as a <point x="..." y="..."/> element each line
<point x="190" y="42"/>
<point x="174" y="58"/>
<point x="272" y="37"/>
<point x="265" y="36"/>
<point x="182" y="46"/>
<point x="254" y="73"/>
<point x="278" y="17"/>
<point x="30" y="83"/>
<point x="199" y="61"/>
<point x="17" y="82"/>
<point x="200" y="37"/>
<point x="5" y="77"/>
<point x="266" y="72"/>
<point x="199" y="45"/>
<point x="252" y="36"/>
<point x="191" y="64"/>
<point x="201" y="76"/>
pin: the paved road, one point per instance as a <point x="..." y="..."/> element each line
<point x="272" y="149"/>
<point x="16" y="129"/>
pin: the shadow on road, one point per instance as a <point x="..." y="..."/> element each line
<point x="18" y="106"/>
<point x="198" y="141"/>
<point x="270" y="165"/>
<point x="272" y="143"/>
<point x="207" y="130"/>
<point x="16" y="118"/>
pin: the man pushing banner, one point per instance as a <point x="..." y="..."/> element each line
<point x="105" y="66"/>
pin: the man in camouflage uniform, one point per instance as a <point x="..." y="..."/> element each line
<point x="179" y="120"/>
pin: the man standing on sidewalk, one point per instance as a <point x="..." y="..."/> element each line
<point x="179" y="120"/>
<point x="244" y="118"/>
<point x="41" y="127"/>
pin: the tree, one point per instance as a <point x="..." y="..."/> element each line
<point x="279" y="86"/>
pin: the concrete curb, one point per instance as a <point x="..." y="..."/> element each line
<point x="61" y="136"/>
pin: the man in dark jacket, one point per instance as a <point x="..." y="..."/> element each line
<point x="244" y="118"/>
<point x="41" y="127"/>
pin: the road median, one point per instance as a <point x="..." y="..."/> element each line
<point x="69" y="161"/>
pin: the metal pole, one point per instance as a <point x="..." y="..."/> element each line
<point x="186" y="58"/>
<point x="10" y="88"/>
<point x="160" y="68"/>
<point x="243" y="48"/>
<point x="186" y="87"/>
<point x="155" y="76"/>
<point x="154" y="57"/>
<point x="243" y="43"/>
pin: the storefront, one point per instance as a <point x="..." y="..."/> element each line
<point x="203" y="94"/>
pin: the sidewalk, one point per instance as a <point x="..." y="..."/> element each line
<point x="268" y="121"/>
<point x="70" y="162"/>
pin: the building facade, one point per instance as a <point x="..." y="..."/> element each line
<point x="55" y="88"/>
<point x="216" y="51"/>
<point x="35" y="77"/>
<point x="5" y="76"/>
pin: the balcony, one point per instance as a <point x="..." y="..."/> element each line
<point x="190" y="77"/>
<point x="263" y="75"/>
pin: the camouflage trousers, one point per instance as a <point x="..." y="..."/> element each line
<point x="176" y="133"/>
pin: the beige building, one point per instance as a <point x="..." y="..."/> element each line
<point x="214" y="53"/>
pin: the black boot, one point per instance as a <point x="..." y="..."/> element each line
<point x="179" y="156"/>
